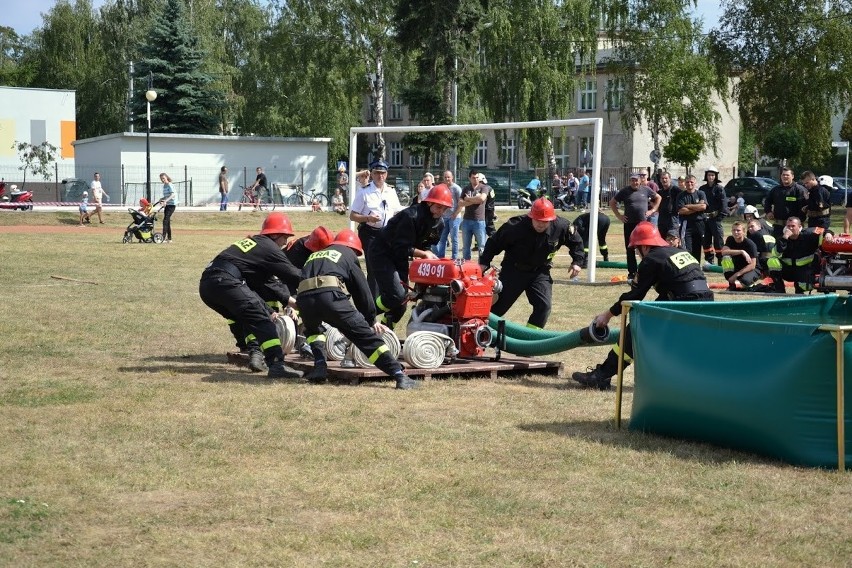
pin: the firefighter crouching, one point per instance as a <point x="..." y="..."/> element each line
<point x="227" y="288"/>
<point x="673" y="272"/>
<point x="796" y="249"/>
<point x="408" y="235"/>
<point x="531" y="242"/>
<point x="322" y="297"/>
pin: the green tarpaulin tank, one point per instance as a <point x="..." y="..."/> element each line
<point x="762" y="376"/>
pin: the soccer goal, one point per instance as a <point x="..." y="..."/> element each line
<point x="597" y="123"/>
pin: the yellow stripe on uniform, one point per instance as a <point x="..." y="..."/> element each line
<point x="627" y="357"/>
<point x="271" y="343"/>
<point x="380" y="305"/>
<point x="250" y="337"/>
<point x="377" y="353"/>
<point x="230" y="321"/>
<point x="531" y="326"/>
<point x="315" y="338"/>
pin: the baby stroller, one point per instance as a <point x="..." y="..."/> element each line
<point x="142" y="227"/>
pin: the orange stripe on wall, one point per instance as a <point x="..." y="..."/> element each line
<point x="68" y="129"/>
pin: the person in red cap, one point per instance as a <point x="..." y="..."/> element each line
<point x="409" y="234"/>
<point x="330" y="277"/>
<point x="530" y="242"/>
<point x="673" y="272"/>
<point x="228" y="283"/>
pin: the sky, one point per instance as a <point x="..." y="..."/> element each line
<point x="25" y="15"/>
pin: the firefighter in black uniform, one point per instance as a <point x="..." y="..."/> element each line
<point x="323" y="298"/>
<point x="717" y="210"/>
<point x="531" y="242"/>
<point x="796" y="249"/>
<point x="299" y="250"/>
<point x="818" y="209"/>
<point x="785" y="200"/>
<point x="676" y="276"/>
<point x="583" y="224"/>
<point x="227" y="287"/>
<point x="740" y="258"/>
<point x="408" y="235"/>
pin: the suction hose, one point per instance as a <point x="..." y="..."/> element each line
<point x="612" y="264"/>
<point x="521" y="340"/>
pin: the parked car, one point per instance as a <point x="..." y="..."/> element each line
<point x="73" y="190"/>
<point x="754" y="189"/>
<point x="840" y="191"/>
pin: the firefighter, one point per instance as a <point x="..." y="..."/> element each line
<point x="796" y="250"/>
<point x="818" y="209"/>
<point x="767" y="258"/>
<point x="227" y="288"/>
<point x="408" y="235"/>
<point x="583" y="224"/>
<point x="676" y="276"/>
<point x="739" y="259"/>
<point x="530" y="242"/>
<point x="322" y="298"/>
<point x="299" y="250"/>
<point x="717" y="210"/>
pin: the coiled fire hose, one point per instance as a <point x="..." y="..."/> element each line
<point x="361" y="360"/>
<point x="336" y="344"/>
<point x="426" y="349"/>
<point x="286" y="328"/>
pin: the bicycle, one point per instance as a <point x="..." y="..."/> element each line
<point x="300" y="198"/>
<point x="257" y="199"/>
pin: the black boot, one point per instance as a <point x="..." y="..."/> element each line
<point x="256" y="363"/>
<point x="278" y="370"/>
<point x="319" y="374"/>
<point x="404" y="382"/>
<point x="594" y="378"/>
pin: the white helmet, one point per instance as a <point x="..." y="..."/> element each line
<point x="85" y="194"/>
<point x="713" y="170"/>
<point x="751" y="210"/>
<point x="13" y="187"/>
<point x="827" y="181"/>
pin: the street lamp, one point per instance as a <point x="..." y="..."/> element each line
<point x="150" y="96"/>
<point x="844" y="144"/>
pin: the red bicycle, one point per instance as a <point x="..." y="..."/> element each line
<point x="259" y="200"/>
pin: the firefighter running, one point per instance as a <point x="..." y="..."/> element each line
<point x="227" y="285"/>
<point x="322" y="298"/>
<point x="530" y="242"/>
<point x="673" y="272"/>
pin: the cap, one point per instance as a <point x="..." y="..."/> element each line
<point x="634" y="175"/>
<point x="379" y="165"/>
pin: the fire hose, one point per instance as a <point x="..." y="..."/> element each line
<point x="521" y="340"/>
<point x="362" y="360"/>
<point x="612" y="264"/>
<point x="427" y="349"/>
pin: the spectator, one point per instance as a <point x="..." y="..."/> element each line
<point x="363" y="178"/>
<point x="427" y="182"/>
<point x="169" y="199"/>
<point x="223" y="189"/>
<point x="337" y="203"/>
<point x="260" y="184"/>
<point x="740" y="203"/>
<point x="673" y="238"/>
<point x="584" y="188"/>
<point x="342" y="180"/>
<point x="451" y="220"/>
<point x="98" y="193"/>
<point x="691" y="204"/>
<point x="668" y="204"/>
<point x="473" y="200"/>
<point x="571" y="184"/>
<point x="84" y="208"/>
<point x="640" y="203"/>
<point x="717" y="210"/>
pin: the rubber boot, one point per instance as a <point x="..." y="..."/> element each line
<point x="256" y="363"/>
<point x="319" y="374"/>
<point x="278" y="370"/>
<point x="404" y="382"/>
<point x="601" y="376"/>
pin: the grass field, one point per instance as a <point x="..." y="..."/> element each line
<point x="126" y="440"/>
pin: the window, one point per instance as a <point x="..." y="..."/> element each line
<point x="588" y="95"/>
<point x="614" y="94"/>
<point x="415" y="161"/>
<point x="480" y="155"/>
<point x="396" y="110"/>
<point x="396" y="154"/>
<point x="509" y="152"/>
<point x="560" y="152"/>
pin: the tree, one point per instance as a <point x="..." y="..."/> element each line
<point x="795" y="63"/>
<point x="186" y="103"/>
<point x="684" y="147"/>
<point x="13" y="72"/>
<point x="785" y="143"/>
<point x="36" y="158"/>
<point x="656" y="48"/>
<point x="846" y="127"/>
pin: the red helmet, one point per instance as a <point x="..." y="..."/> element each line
<point x="144" y="202"/>
<point x="646" y="233"/>
<point x="277" y="224"/>
<point x="349" y="238"/>
<point x="542" y="210"/>
<point x="319" y="239"/>
<point x="441" y="195"/>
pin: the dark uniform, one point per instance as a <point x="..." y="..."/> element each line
<point x="490" y="212"/>
<point x="298" y="253"/>
<point x="819" y="206"/>
<point x="527" y="262"/>
<point x="735" y="263"/>
<point x="387" y="261"/>
<point x="228" y="287"/>
<point x="583" y="226"/>
<point x="717" y="210"/>
<point x="676" y="276"/>
<point x="692" y="224"/>
<point x="668" y="217"/>
<point x="635" y="211"/>
<point x="784" y="202"/>
<point x="798" y="260"/>
<point x="765" y="243"/>
<point x="322" y="298"/>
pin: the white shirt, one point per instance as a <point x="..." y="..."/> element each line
<point x="97" y="191"/>
<point x="383" y="203"/>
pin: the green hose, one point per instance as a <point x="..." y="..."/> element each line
<point x="612" y="264"/>
<point x="526" y="341"/>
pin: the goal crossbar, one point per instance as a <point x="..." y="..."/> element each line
<point x="597" y="123"/>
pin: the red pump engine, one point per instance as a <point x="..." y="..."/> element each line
<point x="836" y="264"/>
<point x="454" y="298"/>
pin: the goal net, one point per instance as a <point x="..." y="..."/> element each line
<point x="595" y="164"/>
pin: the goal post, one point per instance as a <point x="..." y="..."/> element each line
<point x="597" y="123"/>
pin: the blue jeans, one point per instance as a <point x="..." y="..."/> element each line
<point x="451" y="230"/>
<point x="223" y="202"/>
<point x="471" y="228"/>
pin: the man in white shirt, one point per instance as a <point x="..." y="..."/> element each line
<point x="98" y="194"/>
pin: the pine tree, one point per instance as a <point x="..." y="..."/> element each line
<point x="186" y="103"/>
